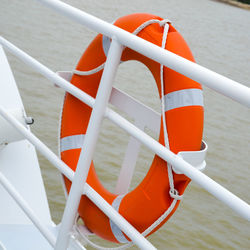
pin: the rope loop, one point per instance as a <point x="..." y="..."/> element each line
<point x="175" y="194"/>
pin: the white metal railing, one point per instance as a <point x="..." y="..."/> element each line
<point x="120" y="37"/>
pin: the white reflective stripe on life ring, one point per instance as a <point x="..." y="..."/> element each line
<point x="183" y="98"/>
<point x="71" y="142"/>
<point x="115" y="229"/>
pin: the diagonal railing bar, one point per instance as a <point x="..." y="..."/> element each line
<point x="89" y="144"/>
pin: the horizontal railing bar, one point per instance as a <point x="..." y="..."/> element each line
<point x="124" y="225"/>
<point x="48" y="234"/>
<point x="239" y="206"/>
<point x="215" y="81"/>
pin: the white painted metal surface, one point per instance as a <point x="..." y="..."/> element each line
<point x="26" y="209"/>
<point x="18" y="234"/>
<point x="22" y="162"/>
<point x="19" y="170"/>
<point x="7" y="133"/>
<point x="120" y="37"/>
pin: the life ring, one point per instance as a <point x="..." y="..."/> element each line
<point x="184" y="115"/>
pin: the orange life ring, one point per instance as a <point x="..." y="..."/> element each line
<point x="150" y="199"/>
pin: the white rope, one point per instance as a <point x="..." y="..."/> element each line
<point x="77" y="230"/>
<point x="130" y="244"/>
<point x="140" y="28"/>
<point x="96" y="246"/>
<point x="160" y="219"/>
<point x="89" y="72"/>
<point x="165" y="133"/>
<point x="172" y="192"/>
<point x="147" y="23"/>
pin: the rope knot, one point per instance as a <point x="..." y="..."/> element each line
<point x="175" y="194"/>
<point x="164" y="21"/>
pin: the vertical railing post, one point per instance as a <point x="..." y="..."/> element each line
<point x="89" y="145"/>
